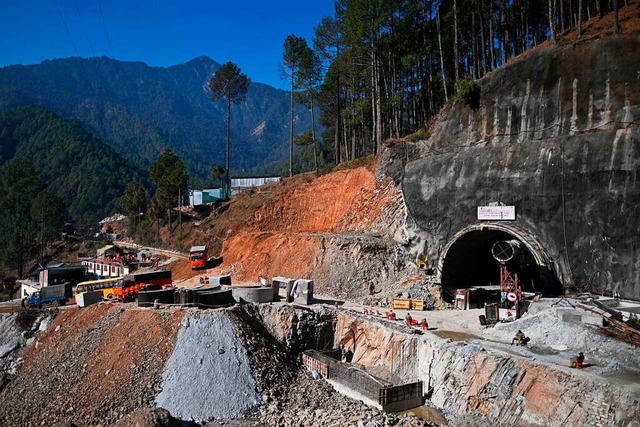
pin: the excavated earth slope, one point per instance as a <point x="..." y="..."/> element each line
<point x="91" y="366"/>
<point x="114" y="363"/>
<point x="339" y="229"/>
<point x="471" y="384"/>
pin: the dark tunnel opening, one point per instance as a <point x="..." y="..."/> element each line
<point x="469" y="263"/>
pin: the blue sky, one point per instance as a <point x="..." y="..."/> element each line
<point x="160" y="33"/>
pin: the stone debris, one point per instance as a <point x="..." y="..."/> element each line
<point x="314" y="403"/>
<point x="16" y="331"/>
<point x="111" y="364"/>
<point x="556" y="340"/>
<point x="92" y="367"/>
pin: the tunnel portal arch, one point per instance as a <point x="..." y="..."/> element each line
<point x="466" y="259"/>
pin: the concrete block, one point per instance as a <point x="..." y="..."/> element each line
<point x="252" y="294"/>
<point x="220" y="280"/>
<point x="571" y="317"/>
<point x="285" y="283"/>
<point x="302" y="292"/>
<point x="567" y="314"/>
<point x="592" y="319"/>
<point x="87" y="298"/>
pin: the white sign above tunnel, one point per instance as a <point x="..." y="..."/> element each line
<point x="496" y="213"/>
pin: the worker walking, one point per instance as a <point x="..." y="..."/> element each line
<point x="579" y="361"/>
<point x="519" y="338"/>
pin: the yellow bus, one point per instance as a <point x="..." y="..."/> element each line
<point x="104" y="285"/>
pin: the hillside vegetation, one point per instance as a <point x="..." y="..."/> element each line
<point x="79" y="168"/>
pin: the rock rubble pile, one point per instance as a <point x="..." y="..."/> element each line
<point x="314" y="403"/>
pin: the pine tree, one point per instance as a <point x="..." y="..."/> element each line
<point x="133" y="201"/>
<point x="294" y="49"/>
<point x="18" y="184"/>
<point x="231" y="85"/>
<point x="170" y="177"/>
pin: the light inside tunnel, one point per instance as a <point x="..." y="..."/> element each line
<point x="469" y="262"/>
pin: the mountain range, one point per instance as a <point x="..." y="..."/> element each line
<point x="139" y="110"/>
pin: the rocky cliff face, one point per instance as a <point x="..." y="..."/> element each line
<point x="466" y="381"/>
<point x="556" y="135"/>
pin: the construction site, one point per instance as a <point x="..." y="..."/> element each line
<point x="485" y="275"/>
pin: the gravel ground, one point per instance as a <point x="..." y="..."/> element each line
<point x="114" y="363"/>
<point x="208" y="375"/>
<point x="558" y="341"/>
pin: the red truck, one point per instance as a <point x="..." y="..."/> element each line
<point x="198" y="257"/>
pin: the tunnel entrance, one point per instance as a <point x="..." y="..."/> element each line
<point x="468" y="263"/>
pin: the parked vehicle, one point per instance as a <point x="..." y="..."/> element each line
<point x="198" y="257"/>
<point x="128" y="288"/>
<point x="106" y="286"/>
<point x="48" y="295"/>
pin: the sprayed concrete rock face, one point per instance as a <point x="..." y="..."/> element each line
<point x="556" y="136"/>
<point x="10" y="337"/>
<point x="208" y="375"/>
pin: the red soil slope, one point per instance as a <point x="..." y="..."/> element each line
<point x="91" y="367"/>
<point x="278" y="230"/>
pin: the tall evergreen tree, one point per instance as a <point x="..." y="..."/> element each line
<point x="309" y="77"/>
<point x="18" y="185"/>
<point x="170" y="177"/>
<point x="133" y="201"/>
<point x="216" y="174"/>
<point x="294" y="49"/>
<point x="328" y="42"/>
<point x="231" y="85"/>
<point x="48" y="211"/>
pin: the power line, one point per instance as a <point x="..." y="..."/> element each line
<point x="75" y="48"/>
<point x="64" y="21"/>
<point x="104" y="23"/>
<point x="84" y="28"/>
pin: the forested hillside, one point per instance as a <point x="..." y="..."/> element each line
<point x="84" y="172"/>
<point x="141" y="110"/>
<point x="392" y="65"/>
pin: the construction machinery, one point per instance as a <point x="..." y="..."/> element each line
<point x="509" y="307"/>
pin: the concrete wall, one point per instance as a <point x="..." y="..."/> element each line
<point x="556" y="135"/>
<point x="248" y="294"/>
